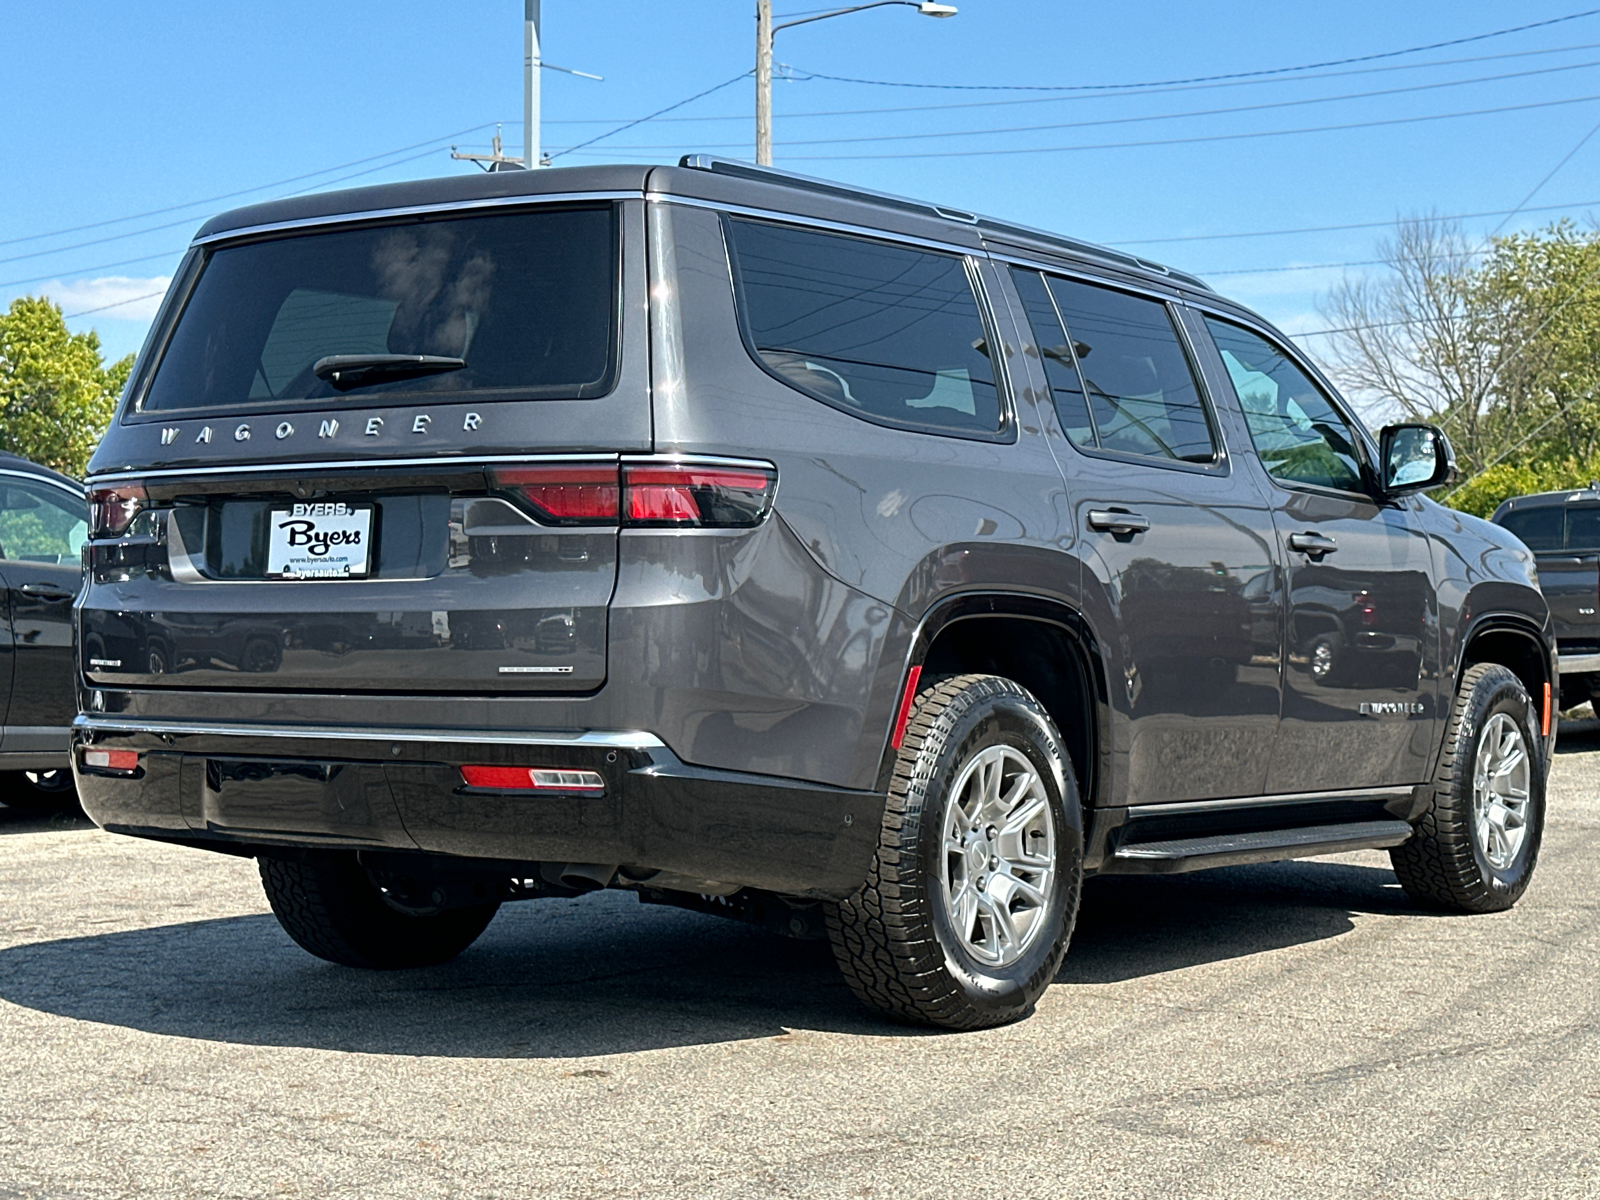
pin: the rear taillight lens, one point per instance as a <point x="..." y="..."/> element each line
<point x="121" y="762"/>
<point x="517" y="779"/>
<point x="696" y="497"/>
<point x="112" y="508"/>
<point x="566" y="495"/>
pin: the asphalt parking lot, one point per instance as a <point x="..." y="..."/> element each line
<point x="1288" y="1030"/>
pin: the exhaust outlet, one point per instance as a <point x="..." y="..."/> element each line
<point x="588" y="877"/>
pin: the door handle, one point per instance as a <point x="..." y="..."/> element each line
<point x="45" y="591"/>
<point x="1118" y="522"/>
<point x="1313" y="544"/>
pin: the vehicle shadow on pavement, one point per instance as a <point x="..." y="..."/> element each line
<point x="33" y="820"/>
<point x="605" y="975"/>
<point x="1581" y="736"/>
<point x="1133" y="926"/>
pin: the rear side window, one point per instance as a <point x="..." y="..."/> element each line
<point x="885" y="332"/>
<point x="1141" y="389"/>
<point x="41" y="523"/>
<point x="525" y="302"/>
<point x="1583" y="528"/>
<point x="1539" y="528"/>
<point x="1055" y="352"/>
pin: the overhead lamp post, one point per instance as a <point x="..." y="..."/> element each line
<point x="766" y="30"/>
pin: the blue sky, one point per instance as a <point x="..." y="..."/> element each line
<point x="108" y="111"/>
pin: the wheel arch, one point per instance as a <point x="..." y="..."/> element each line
<point x="1516" y="643"/>
<point x="1041" y="644"/>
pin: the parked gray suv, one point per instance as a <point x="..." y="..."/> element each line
<point x="855" y="565"/>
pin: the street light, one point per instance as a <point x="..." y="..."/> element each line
<point x="765" y="31"/>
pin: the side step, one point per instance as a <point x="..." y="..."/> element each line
<point x="1270" y="845"/>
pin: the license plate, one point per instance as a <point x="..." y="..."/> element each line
<point x="324" y="540"/>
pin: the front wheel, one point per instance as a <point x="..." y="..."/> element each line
<point x="331" y="906"/>
<point x="1475" y="847"/>
<point x="973" y="891"/>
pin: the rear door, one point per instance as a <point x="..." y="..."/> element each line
<point x="43" y="526"/>
<point x="1179" y="547"/>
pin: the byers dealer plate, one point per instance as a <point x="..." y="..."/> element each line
<point x="319" y="541"/>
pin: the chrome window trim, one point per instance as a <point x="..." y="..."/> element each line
<point x="821" y="223"/>
<point x="410" y="210"/>
<point x="45" y="479"/>
<point x="368" y="464"/>
<point x="620" y="739"/>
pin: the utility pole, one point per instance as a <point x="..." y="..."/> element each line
<point x="765" y="30"/>
<point x="530" y="84"/>
<point x="764" y="83"/>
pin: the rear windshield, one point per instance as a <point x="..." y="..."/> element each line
<point x="1557" y="527"/>
<point x="520" y="303"/>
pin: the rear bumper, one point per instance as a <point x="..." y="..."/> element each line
<point x="1578" y="664"/>
<point x="238" y="787"/>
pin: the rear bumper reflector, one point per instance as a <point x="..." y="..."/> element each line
<point x="515" y="779"/>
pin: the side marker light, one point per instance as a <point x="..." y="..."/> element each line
<point x="906" y="700"/>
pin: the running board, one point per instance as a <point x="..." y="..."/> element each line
<point x="1269" y="845"/>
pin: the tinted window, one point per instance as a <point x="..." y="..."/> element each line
<point x="1298" y="433"/>
<point x="1583" y="528"/>
<point x="884" y="331"/>
<point x="1055" y="352"/>
<point x="1539" y="528"/>
<point x="1141" y="389"/>
<point x="41" y="523"/>
<point x="526" y="299"/>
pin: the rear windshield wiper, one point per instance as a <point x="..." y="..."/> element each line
<point x="346" y="371"/>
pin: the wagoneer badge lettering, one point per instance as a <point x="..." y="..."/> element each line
<point x="169" y="435"/>
<point x="374" y="426"/>
<point x="328" y="428"/>
<point x="204" y="436"/>
<point x="283" y="431"/>
<point x="536" y="670"/>
<point x="419" y="423"/>
<point x="1391" y="708"/>
<point x="472" y="421"/>
<point x="242" y="434"/>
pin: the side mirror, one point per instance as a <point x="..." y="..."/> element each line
<point x="1415" y="458"/>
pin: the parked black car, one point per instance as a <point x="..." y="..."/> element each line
<point x="770" y="547"/>
<point x="43" y="525"/>
<point x="1563" y="531"/>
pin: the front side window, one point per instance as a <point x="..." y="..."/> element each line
<point x="887" y="332"/>
<point x="1142" y="393"/>
<point x="521" y="302"/>
<point x="1298" y="433"/>
<point x="40" y="523"/>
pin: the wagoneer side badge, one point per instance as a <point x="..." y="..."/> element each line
<point x="1391" y="708"/>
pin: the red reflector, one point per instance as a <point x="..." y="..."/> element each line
<point x="112" y="760"/>
<point x="709" y="497"/>
<point x="578" y="494"/>
<point x="1544" y="720"/>
<point x="516" y="779"/>
<point x="905" y="708"/>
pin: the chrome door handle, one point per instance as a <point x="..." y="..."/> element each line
<point x="45" y="591"/>
<point x="1313" y="544"/>
<point x="1118" y="522"/>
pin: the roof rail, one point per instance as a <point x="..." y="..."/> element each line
<point x="744" y="170"/>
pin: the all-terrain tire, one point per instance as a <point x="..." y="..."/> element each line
<point x="893" y="939"/>
<point x="1442" y="866"/>
<point x="328" y="904"/>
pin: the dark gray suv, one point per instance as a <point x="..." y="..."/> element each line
<point x="854" y="565"/>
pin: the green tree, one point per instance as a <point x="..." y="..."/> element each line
<point x="56" y="392"/>
<point x="1498" y="343"/>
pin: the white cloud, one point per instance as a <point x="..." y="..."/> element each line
<point x="109" y="298"/>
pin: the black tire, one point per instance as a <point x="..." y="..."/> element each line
<point x="894" y="939"/>
<point x="330" y="906"/>
<point x="1443" y="867"/>
<point x="39" y="791"/>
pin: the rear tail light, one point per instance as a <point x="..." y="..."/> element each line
<point x="669" y="495"/>
<point x="566" y="495"/>
<point x="123" y="762"/>
<point x="516" y="779"/>
<point x="112" y="508"/>
<point x="696" y="497"/>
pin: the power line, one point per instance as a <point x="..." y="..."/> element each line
<point x="156" y="212"/>
<point x="126" y="262"/>
<point x="1172" y="116"/>
<point x="1217" y="137"/>
<point x="1100" y="87"/>
<point x="118" y="304"/>
<point x="654" y="115"/>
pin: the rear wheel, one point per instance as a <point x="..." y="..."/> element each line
<point x="973" y="892"/>
<point x="46" y="791"/>
<point x="1475" y="847"/>
<point x="331" y="906"/>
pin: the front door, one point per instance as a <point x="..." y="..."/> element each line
<point x="1178" y="546"/>
<point x="1361" y="670"/>
<point x="42" y="530"/>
